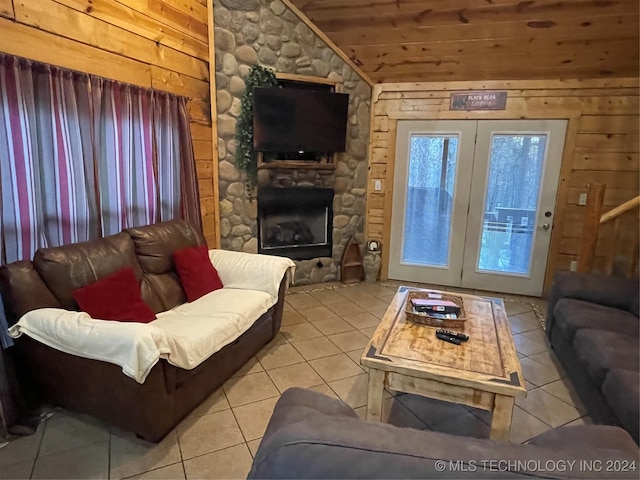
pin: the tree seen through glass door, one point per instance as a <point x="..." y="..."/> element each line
<point x="511" y="202"/>
<point x="429" y="201"/>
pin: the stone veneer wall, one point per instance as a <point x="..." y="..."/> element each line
<point x="267" y="32"/>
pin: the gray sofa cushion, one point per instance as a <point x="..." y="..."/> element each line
<point x="622" y="391"/>
<point x="584" y="436"/>
<point x="600" y="351"/>
<point x="572" y="315"/>
<point x="311" y="435"/>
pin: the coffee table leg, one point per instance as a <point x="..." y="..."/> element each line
<point x="501" y="421"/>
<point x="375" y="395"/>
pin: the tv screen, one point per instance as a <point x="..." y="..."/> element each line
<point x="299" y="120"/>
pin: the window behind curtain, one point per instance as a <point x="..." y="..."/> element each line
<point x="83" y="157"/>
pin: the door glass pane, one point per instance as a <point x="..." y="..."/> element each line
<point x="429" y="201"/>
<point x="515" y="169"/>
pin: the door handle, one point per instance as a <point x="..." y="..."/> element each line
<point x="546" y="226"/>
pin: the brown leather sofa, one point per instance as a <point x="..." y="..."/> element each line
<point x="169" y="393"/>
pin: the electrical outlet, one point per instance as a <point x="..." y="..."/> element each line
<point x="574" y="266"/>
<point x="377" y="185"/>
<point x="582" y="200"/>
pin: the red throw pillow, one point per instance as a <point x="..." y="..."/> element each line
<point x="197" y="275"/>
<point x="115" y="297"/>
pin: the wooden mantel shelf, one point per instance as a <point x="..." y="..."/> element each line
<point x="324" y="164"/>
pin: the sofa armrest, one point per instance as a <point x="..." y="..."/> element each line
<point x="251" y="271"/>
<point x="311" y="435"/>
<point x="616" y="292"/>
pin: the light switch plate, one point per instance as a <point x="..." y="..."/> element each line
<point x="377" y="185"/>
<point x="582" y="200"/>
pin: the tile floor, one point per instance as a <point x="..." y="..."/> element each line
<point x="324" y="331"/>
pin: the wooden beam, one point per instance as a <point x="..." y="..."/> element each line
<point x="604" y="83"/>
<point x="214" y="124"/>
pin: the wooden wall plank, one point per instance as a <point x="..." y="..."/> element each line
<point x="451" y="12"/>
<point x="66" y="22"/>
<point x="530" y="84"/>
<point x="595" y="160"/>
<point x="608" y="142"/>
<point x="202" y="150"/>
<point x="121" y="16"/>
<point x="24" y="41"/>
<point x="6" y="8"/>
<point x="191" y="8"/>
<point x="200" y="131"/>
<point x="609" y="123"/>
<point x="612" y="179"/>
<point x="199" y="111"/>
<point x="471" y="15"/>
<point x="167" y="14"/>
<point x="180" y="84"/>
<point x="565" y="28"/>
<point x="549" y="48"/>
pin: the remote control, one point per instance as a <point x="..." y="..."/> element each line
<point x="459" y="336"/>
<point x="448" y="338"/>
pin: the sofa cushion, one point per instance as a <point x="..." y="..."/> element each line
<point x="66" y="268"/>
<point x="311" y="435"/>
<point x="197" y="274"/>
<point x="621" y="388"/>
<point x="586" y="436"/>
<point x="114" y="297"/>
<point x="154" y="245"/>
<point x="634" y="304"/>
<point x="572" y="315"/>
<point x="600" y="351"/>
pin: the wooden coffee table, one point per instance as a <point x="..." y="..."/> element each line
<point x="483" y="372"/>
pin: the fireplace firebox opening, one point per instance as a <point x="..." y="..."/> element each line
<point x="295" y="222"/>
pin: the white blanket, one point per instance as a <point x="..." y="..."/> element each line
<point x="136" y="347"/>
<point x="251" y="271"/>
<point x="185" y="336"/>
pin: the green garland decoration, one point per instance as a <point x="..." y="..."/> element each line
<point x="246" y="158"/>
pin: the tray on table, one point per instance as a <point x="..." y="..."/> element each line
<point x="431" y="320"/>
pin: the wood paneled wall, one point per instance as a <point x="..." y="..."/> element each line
<point x="160" y="44"/>
<point x="601" y="145"/>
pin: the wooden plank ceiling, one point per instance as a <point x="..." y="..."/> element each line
<point x="452" y="40"/>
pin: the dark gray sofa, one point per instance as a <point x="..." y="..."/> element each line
<point x="593" y="327"/>
<point x="311" y="435"/>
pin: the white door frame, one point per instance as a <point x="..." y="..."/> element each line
<point x="467" y="214"/>
<point x="532" y="283"/>
<point x="465" y="131"/>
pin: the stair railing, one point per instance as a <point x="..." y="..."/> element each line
<point x="593" y="220"/>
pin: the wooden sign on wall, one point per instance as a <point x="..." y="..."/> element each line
<point x="481" y="100"/>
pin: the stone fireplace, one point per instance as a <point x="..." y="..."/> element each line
<point x="267" y="32"/>
<point x="295" y="222"/>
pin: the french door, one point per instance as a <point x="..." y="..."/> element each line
<point x="473" y="202"/>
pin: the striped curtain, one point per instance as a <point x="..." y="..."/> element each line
<point x="83" y="157"/>
<point x="125" y="156"/>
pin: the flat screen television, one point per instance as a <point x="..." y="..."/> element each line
<point x="299" y="120"/>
